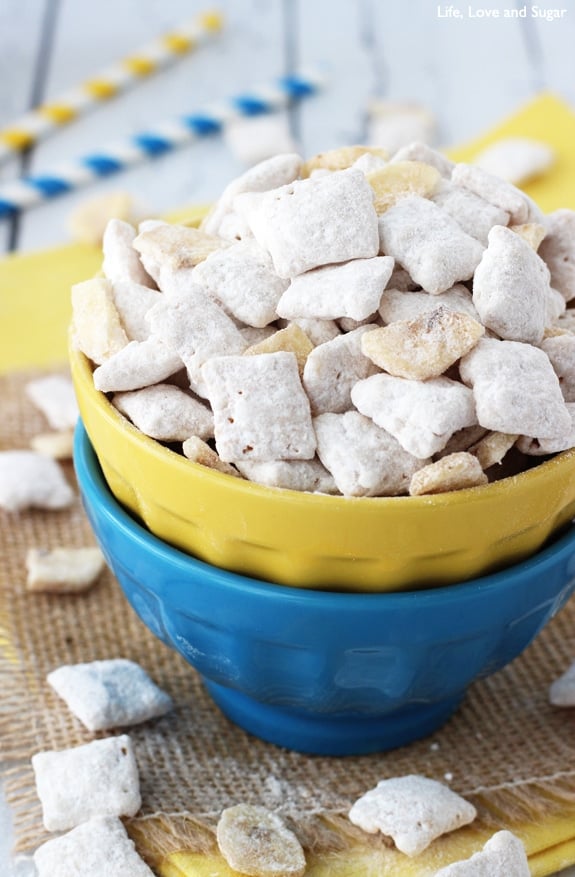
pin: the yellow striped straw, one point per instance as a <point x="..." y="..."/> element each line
<point x="41" y="121"/>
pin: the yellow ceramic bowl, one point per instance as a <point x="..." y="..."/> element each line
<point x="318" y="541"/>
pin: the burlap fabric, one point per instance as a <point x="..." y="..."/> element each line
<point x="506" y="749"/>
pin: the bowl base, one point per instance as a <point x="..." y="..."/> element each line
<point x="329" y="734"/>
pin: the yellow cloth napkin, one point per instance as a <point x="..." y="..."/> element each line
<point x="34" y="313"/>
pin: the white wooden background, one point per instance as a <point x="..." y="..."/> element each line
<point x="470" y="73"/>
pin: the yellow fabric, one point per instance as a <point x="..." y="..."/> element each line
<point x="34" y="313"/>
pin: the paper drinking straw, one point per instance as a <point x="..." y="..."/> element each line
<point x="155" y="141"/>
<point x="39" y="122"/>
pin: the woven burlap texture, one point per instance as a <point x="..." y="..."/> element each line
<point x="507" y="749"/>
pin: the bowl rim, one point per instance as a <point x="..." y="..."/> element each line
<point x="82" y="371"/>
<point x="91" y="480"/>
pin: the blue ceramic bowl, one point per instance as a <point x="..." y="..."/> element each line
<point x="325" y="672"/>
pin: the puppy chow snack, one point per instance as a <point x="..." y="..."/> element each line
<point x="97" y="779"/>
<point x="54" y="396"/>
<point x="63" y="570"/>
<point x="428" y="298"/>
<point x="393" y="124"/>
<point x="510" y="288"/>
<point x="108" y="694"/>
<point x="31" y="480"/>
<point x="166" y="413"/>
<point x="314" y="222"/>
<point x="422" y="415"/>
<point x="121" y="260"/>
<point x="364" y="459"/>
<point x="256" y="842"/>
<point x="353" y="289"/>
<point x="516" y="159"/>
<point x="502" y="856"/>
<point x="515" y="389"/>
<point x="58" y="445"/>
<point x="428" y="243"/>
<point x="260" y="409"/>
<point x="101" y="845"/>
<point x="137" y="365"/>
<point x="412" y="810"/>
<point x="332" y="370"/>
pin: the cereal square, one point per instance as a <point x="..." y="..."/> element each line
<point x="428" y="243"/>
<point x="364" y="459"/>
<point x="242" y="278"/>
<point x="558" y="251"/>
<point x="261" y="411"/>
<point x="98" y="848"/>
<point x="63" y="570"/>
<point x="54" y="396"/>
<point x="30" y="480"/>
<point x="108" y="694"/>
<point x="353" y="289"/>
<point x="515" y="389"/>
<point x="97" y="779"/>
<point x="422" y="415"/>
<point x="314" y="222"/>
<point x="137" y="365"/>
<point x="412" y="810"/>
<point x="166" y="413"/>
<point x="502" y="856"/>
<point x="307" y="475"/>
<point x="121" y="261"/>
<point x="332" y="369"/>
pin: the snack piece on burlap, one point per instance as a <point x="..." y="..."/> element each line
<point x="261" y="411"/>
<point x="96" y="325"/>
<point x="398" y="179"/>
<point x="31" y="480"/>
<point x="271" y="173"/>
<point x="333" y="368"/>
<point x="256" y="842"/>
<point x="341" y="158"/>
<point x="493" y="189"/>
<point x="537" y="447"/>
<point x="167" y="249"/>
<point x="422" y="348"/>
<point x="515" y="159"/>
<point x="453" y="472"/>
<point x="196" y="328"/>
<point x="515" y="389"/>
<point x="133" y="301"/>
<point x="418" y="151"/>
<point x="413" y="810"/>
<point x="198" y="451"/>
<point x="309" y="476"/>
<point x="353" y="289"/>
<point x="561" y="352"/>
<point x="242" y="278"/>
<point x="502" y="856"/>
<point x="558" y="251"/>
<point x="510" y="288"/>
<point x="166" y="413"/>
<point x="98" y="848"/>
<point x="422" y="415"/>
<point x="138" y="364"/>
<point x="63" y="570"/>
<point x="314" y="222"/>
<point x="428" y="243"/>
<point x="292" y="339"/>
<point x="59" y="444"/>
<point x="108" y="694"/>
<point x="491" y="449"/>
<point x="364" y="459"/>
<point x="562" y="690"/>
<point x="121" y="260"/>
<point x="475" y="215"/>
<point x="54" y="396"/>
<point x="97" y="779"/>
<point x="397" y="305"/>
<point x="531" y="232"/>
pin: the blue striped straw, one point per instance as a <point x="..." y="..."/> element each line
<point x="159" y="140"/>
